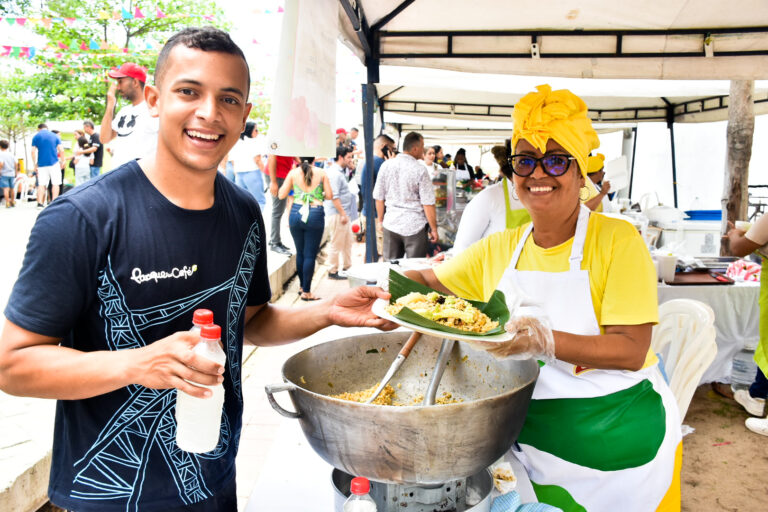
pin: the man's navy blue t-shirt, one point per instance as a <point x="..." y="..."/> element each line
<point x="113" y="265"/>
<point x="46" y="142"/>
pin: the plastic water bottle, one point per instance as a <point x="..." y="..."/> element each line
<point x="198" y="420"/>
<point x="359" y="500"/>
<point x="200" y="318"/>
<point x="743" y="370"/>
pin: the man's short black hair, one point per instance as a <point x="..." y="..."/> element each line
<point x="89" y="124"/>
<point x="354" y="128"/>
<point x="41" y="126"/>
<point x="4" y="144"/>
<point x="411" y="140"/>
<point x="342" y="151"/>
<point x="207" y="39"/>
<point x="385" y="138"/>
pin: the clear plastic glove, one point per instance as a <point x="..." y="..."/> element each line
<point x="533" y="337"/>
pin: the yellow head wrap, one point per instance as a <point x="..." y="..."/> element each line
<point x="595" y="163"/>
<point x="560" y="116"/>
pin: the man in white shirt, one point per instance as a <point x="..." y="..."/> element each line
<point x="405" y="190"/>
<point x="133" y="129"/>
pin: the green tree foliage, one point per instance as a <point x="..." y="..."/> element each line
<point x="71" y="83"/>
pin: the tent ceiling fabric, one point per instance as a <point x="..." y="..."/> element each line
<point x="675" y="39"/>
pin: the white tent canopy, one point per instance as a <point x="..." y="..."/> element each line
<point x="675" y="39"/>
<point x="439" y="94"/>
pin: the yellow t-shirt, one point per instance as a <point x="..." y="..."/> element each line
<point x="622" y="278"/>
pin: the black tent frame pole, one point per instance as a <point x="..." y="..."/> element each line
<point x="369" y="98"/>
<point x="632" y="167"/>
<point x="671" y="126"/>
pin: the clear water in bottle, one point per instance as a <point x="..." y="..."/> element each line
<point x="743" y="370"/>
<point x="198" y="420"/>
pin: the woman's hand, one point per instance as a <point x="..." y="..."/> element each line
<point x="533" y="338"/>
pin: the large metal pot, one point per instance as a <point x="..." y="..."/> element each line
<point x="411" y="444"/>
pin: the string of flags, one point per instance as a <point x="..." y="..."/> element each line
<point x="122" y="14"/>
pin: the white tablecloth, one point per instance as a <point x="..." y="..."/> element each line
<point x="737" y="316"/>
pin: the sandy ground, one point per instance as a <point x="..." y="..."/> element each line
<point x="725" y="466"/>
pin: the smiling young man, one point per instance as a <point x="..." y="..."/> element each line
<point x="129" y="256"/>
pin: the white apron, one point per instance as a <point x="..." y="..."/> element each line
<point x="594" y="440"/>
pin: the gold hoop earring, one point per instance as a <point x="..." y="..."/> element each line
<point x="514" y="194"/>
<point x="584" y="191"/>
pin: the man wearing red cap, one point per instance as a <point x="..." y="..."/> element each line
<point x="133" y="130"/>
<point x="341" y="137"/>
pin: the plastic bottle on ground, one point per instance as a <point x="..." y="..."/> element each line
<point x="198" y="420"/>
<point x="359" y="500"/>
<point x="743" y="370"/>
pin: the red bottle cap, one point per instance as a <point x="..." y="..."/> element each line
<point x="360" y="485"/>
<point x="210" y="332"/>
<point x="202" y="317"/>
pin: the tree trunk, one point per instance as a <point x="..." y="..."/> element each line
<point x="741" y="126"/>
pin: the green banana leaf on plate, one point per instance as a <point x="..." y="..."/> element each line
<point x="495" y="308"/>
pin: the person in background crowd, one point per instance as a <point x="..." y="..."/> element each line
<point x="595" y="172"/>
<point x="429" y="161"/>
<point x="278" y="168"/>
<point x="7" y="173"/>
<point x="404" y="191"/>
<point x="310" y="187"/>
<point x="495" y="209"/>
<point x="340" y="212"/>
<point x="125" y="260"/>
<point x="82" y="160"/>
<point x="352" y="142"/>
<point x="464" y="171"/>
<point x="46" y="148"/>
<point x="96" y="150"/>
<point x="341" y="137"/>
<point x="440" y="157"/>
<point x="247" y="164"/>
<point x="133" y="131"/>
<point x="479" y="174"/>
<point x="742" y="243"/>
<point x="383" y="149"/>
<point x="448" y="161"/>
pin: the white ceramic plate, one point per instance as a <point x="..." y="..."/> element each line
<point x="379" y="309"/>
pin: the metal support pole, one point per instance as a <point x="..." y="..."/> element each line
<point x="371" y="254"/>
<point x="632" y="166"/>
<point x="674" y="163"/>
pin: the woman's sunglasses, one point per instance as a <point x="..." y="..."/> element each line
<point x="554" y="165"/>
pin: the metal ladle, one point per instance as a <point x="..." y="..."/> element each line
<point x="437" y="373"/>
<point x="396" y="364"/>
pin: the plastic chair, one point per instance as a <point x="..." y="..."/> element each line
<point x="685" y="338"/>
<point x="22" y="186"/>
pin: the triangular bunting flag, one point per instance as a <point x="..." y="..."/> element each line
<point x="160" y="14"/>
<point x="11" y="21"/>
<point x="21" y="21"/>
<point x="208" y="17"/>
<point x="93" y="45"/>
<point x="103" y="15"/>
<point x="6" y="51"/>
<point x="49" y="64"/>
<point x="127" y="14"/>
<point x="63" y="46"/>
<point x="83" y="46"/>
<point x="73" y="43"/>
<point x="69" y="21"/>
<point x="32" y="51"/>
<point x="104" y="45"/>
<point x="15" y="51"/>
<point x="116" y="15"/>
<point x="24" y="51"/>
<point x="138" y="14"/>
<point x="280" y="9"/>
<point x="47" y="22"/>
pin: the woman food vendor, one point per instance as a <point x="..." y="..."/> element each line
<point x="595" y="172"/>
<point x="494" y="209"/>
<point x="603" y="429"/>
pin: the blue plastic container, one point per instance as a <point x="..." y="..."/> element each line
<point x="704" y="214"/>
